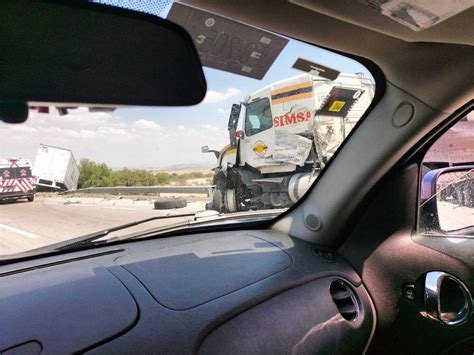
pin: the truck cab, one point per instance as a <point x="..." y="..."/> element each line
<point x="280" y="122"/>
<point x="288" y="131"/>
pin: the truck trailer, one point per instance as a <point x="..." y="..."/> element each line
<point x="55" y="169"/>
<point x="281" y="136"/>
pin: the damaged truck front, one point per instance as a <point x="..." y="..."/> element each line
<point x="282" y="136"/>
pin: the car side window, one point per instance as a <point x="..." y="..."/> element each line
<point x="258" y="117"/>
<point x="447" y="186"/>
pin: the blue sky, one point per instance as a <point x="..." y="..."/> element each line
<point x="220" y="81"/>
<point x="147" y="137"/>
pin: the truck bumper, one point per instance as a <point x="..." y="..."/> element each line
<point x="43" y="184"/>
<point x="16" y="195"/>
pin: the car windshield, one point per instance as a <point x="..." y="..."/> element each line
<point x="275" y="112"/>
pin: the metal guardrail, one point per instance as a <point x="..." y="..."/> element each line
<point x="207" y="189"/>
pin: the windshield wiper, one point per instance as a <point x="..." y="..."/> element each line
<point x="90" y="239"/>
<point x="198" y="219"/>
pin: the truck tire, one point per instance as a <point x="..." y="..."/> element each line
<point x="218" y="195"/>
<point x="230" y="201"/>
<point x="170" y="204"/>
<point x="31" y="198"/>
<point x="218" y="200"/>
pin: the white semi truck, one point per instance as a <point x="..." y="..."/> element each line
<point x="55" y="169"/>
<point x="282" y="136"/>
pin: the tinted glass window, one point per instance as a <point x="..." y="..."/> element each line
<point x="258" y="117"/>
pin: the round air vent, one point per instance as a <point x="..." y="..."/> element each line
<point x="345" y="300"/>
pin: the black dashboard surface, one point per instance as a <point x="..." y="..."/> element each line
<point x="175" y="276"/>
<point x="63" y="306"/>
<point x="182" y="295"/>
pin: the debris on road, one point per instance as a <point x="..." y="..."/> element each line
<point x="72" y="202"/>
<point x="168" y="204"/>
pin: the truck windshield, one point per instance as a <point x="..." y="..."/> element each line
<point x="90" y="169"/>
<point x="258" y="117"/>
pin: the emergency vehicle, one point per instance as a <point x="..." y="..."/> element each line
<point x="16" y="180"/>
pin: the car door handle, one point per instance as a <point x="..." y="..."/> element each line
<point x="446" y="298"/>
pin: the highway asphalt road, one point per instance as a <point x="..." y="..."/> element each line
<point x="50" y="219"/>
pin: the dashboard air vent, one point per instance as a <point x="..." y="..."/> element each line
<point x="344" y="298"/>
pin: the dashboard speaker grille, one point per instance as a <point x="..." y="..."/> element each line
<point x="345" y="300"/>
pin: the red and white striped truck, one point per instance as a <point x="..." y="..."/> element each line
<point x="16" y="180"/>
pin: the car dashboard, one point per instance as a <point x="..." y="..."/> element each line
<point x="224" y="292"/>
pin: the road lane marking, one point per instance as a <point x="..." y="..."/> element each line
<point x="88" y="205"/>
<point x="19" y="231"/>
<point x="110" y="207"/>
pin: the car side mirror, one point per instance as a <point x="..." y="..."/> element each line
<point x="447" y="201"/>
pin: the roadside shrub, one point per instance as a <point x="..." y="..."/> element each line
<point x="94" y="174"/>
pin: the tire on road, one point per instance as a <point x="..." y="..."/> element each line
<point x="31" y="198"/>
<point x="170" y="204"/>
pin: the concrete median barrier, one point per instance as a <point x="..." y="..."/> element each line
<point x="206" y="189"/>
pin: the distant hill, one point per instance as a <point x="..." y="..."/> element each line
<point x="175" y="168"/>
<point x="179" y="167"/>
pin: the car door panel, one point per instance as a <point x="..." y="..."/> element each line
<point x="302" y="320"/>
<point x="388" y="254"/>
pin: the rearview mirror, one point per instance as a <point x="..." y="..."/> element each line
<point x="85" y="53"/>
<point x="447" y="201"/>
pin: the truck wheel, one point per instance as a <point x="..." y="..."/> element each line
<point x="218" y="200"/>
<point x="31" y="198"/>
<point x="170" y="204"/>
<point x="218" y="195"/>
<point x="230" y="201"/>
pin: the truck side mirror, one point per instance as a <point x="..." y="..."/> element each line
<point x="205" y="149"/>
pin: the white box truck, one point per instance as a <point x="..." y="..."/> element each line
<point x="55" y="168"/>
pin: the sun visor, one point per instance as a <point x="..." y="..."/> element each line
<point x="228" y="45"/>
